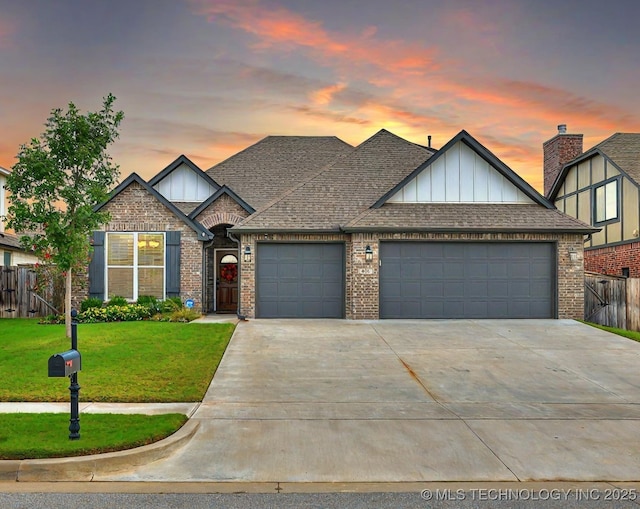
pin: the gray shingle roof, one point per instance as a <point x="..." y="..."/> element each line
<point x="467" y="217"/>
<point x="10" y="240"/>
<point x="268" y="168"/>
<point x="624" y="150"/>
<point x="343" y="189"/>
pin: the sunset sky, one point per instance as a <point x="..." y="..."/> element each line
<point x="207" y="78"/>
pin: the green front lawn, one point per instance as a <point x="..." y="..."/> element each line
<point x="28" y="436"/>
<point x="141" y="361"/>
<point x="630" y="334"/>
<point x="121" y="362"/>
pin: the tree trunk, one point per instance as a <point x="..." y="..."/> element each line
<point x="67" y="304"/>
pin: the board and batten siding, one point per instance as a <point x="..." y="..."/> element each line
<point x="576" y="196"/>
<point x="460" y="176"/>
<point x="183" y="184"/>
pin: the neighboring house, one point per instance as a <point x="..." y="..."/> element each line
<point x="11" y="251"/>
<point x="312" y="227"/>
<point x="600" y="187"/>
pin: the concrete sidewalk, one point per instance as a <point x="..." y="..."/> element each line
<point x="187" y="409"/>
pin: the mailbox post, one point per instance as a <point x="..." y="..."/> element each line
<point x="74" y="388"/>
<point x="68" y="364"/>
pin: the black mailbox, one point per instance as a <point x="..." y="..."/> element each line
<point x="65" y="363"/>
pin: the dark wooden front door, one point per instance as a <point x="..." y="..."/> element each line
<point x="226" y="281"/>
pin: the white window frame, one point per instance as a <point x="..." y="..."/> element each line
<point x="135" y="266"/>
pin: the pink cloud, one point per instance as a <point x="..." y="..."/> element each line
<point x="417" y="91"/>
<point x="325" y="95"/>
<point x="278" y="26"/>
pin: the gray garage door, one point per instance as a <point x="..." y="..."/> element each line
<point x="467" y="280"/>
<point x="300" y="281"/>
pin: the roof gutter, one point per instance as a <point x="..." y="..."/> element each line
<point x="300" y="231"/>
<point x="373" y="229"/>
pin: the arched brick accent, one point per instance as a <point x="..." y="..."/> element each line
<point x="225" y="210"/>
<point x="220" y="218"/>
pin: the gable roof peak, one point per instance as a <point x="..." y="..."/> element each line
<point x="176" y="163"/>
<point x="203" y="233"/>
<point x="483" y="152"/>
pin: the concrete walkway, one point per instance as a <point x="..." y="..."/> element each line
<point x="409" y="401"/>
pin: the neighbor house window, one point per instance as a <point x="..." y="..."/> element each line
<point x="135" y="265"/>
<point x="606" y="202"/>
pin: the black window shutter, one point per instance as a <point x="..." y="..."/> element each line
<point x="173" y="263"/>
<point x="97" y="267"/>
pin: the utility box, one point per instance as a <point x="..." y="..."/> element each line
<point x="65" y="363"/>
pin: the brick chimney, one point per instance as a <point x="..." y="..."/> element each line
<point x="558" y="151"/>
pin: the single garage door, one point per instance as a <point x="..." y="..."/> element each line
<point x="300" y="280"/>
<point x="467" y="280"/>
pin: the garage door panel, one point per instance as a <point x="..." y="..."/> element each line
<point x="475" y="289"/>
<point x="467" y="279"/>
<point x="449" y="251"/>
<point x="520" y="269"/>
<point x="432" y="288"/>
<point x="453" y="289"/>
<point x="477" y="269"/>
<point x="300" y="280"/>
<point x="333" y="290"/>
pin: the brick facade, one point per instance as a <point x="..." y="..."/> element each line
<point x="612" y="259"/>
<point x="225" y="210"/>
<point x="135" y="210"/>
<point x="558" y="151"/>
<point x="362" y="277"/>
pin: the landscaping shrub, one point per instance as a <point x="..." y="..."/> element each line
<point x="150" y="301"/>
<point x="52" y="320"/>
<point x="170" y="305"/>
<point x="91" y="302"/>
<point x="147" y="308"/>
<point x="184" y="315"/>
<point x="117" y="301"/>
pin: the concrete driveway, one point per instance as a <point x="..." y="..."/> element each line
<point x="399" y="401"/>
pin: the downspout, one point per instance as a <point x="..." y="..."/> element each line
<point x="237" y="241"/>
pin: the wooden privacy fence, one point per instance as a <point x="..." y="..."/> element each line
<point x="612" y="301"/>
<point x="18" y="298"/>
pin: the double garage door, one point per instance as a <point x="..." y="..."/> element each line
<point x="467" y="280"/>
<point x="417" y="280"/>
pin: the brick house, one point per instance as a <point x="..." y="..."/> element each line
<point x="600" y="187"/>
<point x="312" y="227"/>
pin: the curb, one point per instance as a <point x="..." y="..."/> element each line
<point x="85" y="468"/>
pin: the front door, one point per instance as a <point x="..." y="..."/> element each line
<point x="226" y="281"/>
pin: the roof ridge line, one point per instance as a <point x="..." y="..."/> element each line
<point x="290" y="190"/>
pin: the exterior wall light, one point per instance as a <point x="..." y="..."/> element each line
<point x="573" y="255"/>
<point x="246" y="255"/>
<point x="368" y="254"/>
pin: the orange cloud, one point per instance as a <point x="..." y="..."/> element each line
<point x="325" y="95"/>
<point x="415" y="90"/>
<point x="280" y="26"/>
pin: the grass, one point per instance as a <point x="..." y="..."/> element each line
<point x="620" y="332"/>
<point x="121" y="362"/>
<point x="32" y="436"/>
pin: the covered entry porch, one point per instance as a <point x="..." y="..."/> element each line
<point x="221" y="270"/>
